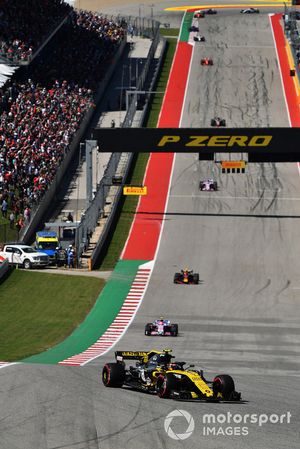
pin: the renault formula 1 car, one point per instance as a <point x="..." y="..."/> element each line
<point x="186" y="277"/>
<point x="208" y="185"/>
<point x="156" y="373"/>
<point x="207" y="61"/>
<point x="217" y="121"/>
<point x="162" y="328"/>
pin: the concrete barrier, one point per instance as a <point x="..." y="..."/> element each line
<point x="111" y="217"/>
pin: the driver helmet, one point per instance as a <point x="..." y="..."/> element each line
<point x="172" y="366"/>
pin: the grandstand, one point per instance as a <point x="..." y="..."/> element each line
<point x="43" y="104"/>
<point x="27" y="26"/>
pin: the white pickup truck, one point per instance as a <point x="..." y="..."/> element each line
<point x="24" y="255"/>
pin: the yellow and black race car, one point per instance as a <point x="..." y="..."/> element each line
<point x="155" y="372"/>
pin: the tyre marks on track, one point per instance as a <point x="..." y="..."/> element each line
<point x="120" y="324"/>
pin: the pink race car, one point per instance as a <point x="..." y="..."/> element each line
<point x="161" y="328"/>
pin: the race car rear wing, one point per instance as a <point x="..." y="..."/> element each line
<point x="139" y="355"/>
<point x="131" y="355"/>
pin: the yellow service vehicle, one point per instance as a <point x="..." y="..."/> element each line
<point x="47" y="242"/>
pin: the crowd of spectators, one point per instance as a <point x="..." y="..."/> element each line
<point x="25" y="24"/>
<point x="107" y="30"/>
<point x="34" y="136"/>
<point x="84" y="56"/>
<point x="42" y="106"/>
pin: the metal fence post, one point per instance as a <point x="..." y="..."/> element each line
<point x="89" y="145"/>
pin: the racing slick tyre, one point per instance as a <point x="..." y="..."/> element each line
<point x="27" y="264"/>
<point x="215" y="185"/>
<point x="212" y="122"/>
<point x="113" y="375"/>
<point x="174" y="330"/>
<point x="177" y="277"/>
<point x="148" y="329"/>
<point x="165" y="385"/>
<point x="196" y="278"/>
<point x="224" y="384"/>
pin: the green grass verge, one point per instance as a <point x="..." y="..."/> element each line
<point x="169" y="32"/>
<point x="120" y="233"/>
<point x="6" y="234"/>
<point x="38" y="310"/>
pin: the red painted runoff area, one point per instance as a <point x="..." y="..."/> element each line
<point x="144" y="235"/>
<point x="288" y="83"/>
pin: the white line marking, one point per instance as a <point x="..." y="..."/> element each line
<point x="234" y="197"/>
<point x="6" y="364"/>
<point x="240" y="46"/>
<point x="115" y="331"/>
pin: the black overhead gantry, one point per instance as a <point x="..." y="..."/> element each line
<point x="259" y="144"/>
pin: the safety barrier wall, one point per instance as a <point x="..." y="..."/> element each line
<point x="297" y="68"/>
<point x="291" y="31"/>
<point x="130" y="113"/>
<point x="111" y="217"/>
<point x="43" y="206"/>
<point x="97" y="207"/>
<point x="153" y="82"/>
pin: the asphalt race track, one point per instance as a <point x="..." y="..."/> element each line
<point x="243" y="319"/>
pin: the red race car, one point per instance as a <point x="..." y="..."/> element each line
<point x="199" y="14"/>
<point x="207" y="61"/>
<point x="186" y="277"/>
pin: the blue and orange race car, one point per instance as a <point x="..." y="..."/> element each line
<point x="186" y="277"/>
